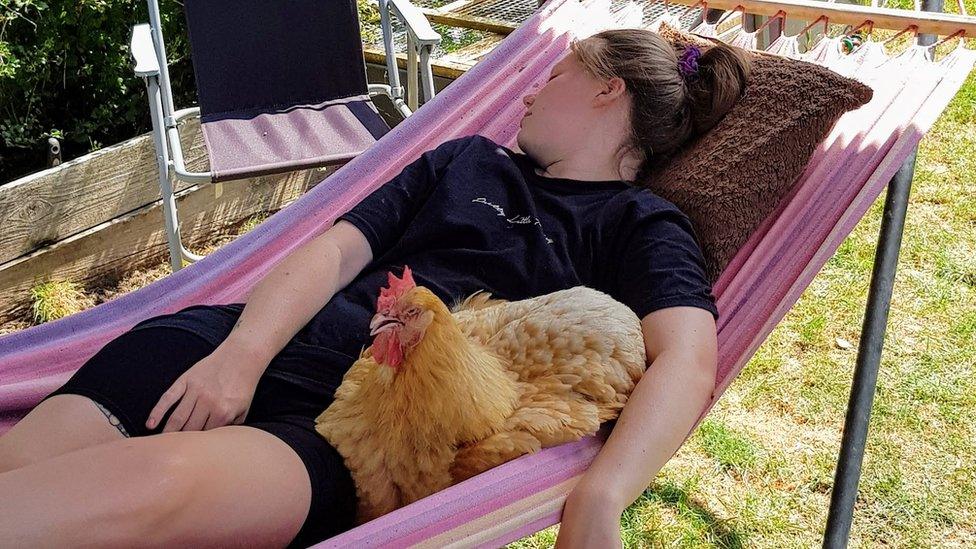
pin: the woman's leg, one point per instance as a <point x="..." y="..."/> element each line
<point x="58" y="425"/>
<point x="107" y="399"/>
<point x="234" y="485"/>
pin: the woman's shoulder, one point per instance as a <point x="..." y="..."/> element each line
<point x="639" y="212"/>
<point x="467" y="143"/>
<point x="636" y="204"/>
<point x="477" y="152"/>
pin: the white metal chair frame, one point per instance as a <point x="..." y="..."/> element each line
<point x="149" y="54"/>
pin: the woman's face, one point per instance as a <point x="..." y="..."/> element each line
<point x="566" y="114"/>
<point x="573" y="116"/>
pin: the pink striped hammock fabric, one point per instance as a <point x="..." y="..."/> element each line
<point x="846" y="174"/>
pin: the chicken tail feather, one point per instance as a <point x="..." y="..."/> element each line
<point x="476" y="301"/>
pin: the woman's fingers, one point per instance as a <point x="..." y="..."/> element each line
<point x="198" y="417"/>
<point x="215" y="420"/>
<point x="182" y="413"/>
<point x="173" y="394"/>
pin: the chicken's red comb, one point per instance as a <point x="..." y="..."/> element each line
<point x="398" y="287"/>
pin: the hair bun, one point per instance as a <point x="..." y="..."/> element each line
<point x="723" y="72"/>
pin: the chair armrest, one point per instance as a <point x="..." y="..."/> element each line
<point x="141" y="48"/>
<point x="416" y="23"/>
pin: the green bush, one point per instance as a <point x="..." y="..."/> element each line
<point x="65" y="71"/>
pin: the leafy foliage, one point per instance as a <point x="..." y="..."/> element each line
<point x="65" y="71"/>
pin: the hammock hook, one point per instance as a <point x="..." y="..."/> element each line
<point x="826" y="22"/>
<point x="730" y="14"/>
<point x="702" y="3"/>
<point x="867" y="23"/>
<point x="912" y="28"/>
<point x="779" y="14"/>
<point x="961" y="33"/>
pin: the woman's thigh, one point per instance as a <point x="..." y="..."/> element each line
<point x="229" y="486"/>
<point x="248" y="486"/>
<point x="129" y="374"/>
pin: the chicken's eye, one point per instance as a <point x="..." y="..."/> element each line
<point x="413" y="311"/>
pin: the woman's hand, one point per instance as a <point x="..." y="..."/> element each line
<point x="214" y="392"/>
<point x="588" y="521"/>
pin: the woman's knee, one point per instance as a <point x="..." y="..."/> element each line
<point x="234" y="482"/>
<point x="159" y="484"/>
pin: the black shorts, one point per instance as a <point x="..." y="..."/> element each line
<point x="130" y="373"/>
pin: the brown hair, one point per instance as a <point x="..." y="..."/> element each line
<point x="668" y="109"/>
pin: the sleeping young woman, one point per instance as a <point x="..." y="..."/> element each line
<point x="197" y="427"/>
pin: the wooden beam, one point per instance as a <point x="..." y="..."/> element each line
<point x="942" y="24"/>
<point x="54" y="204"/>
<point x="459" y="4"/>
<point x="474" y="22"/>
<point x="446" y="69"/>
<point x="137" y="239"/>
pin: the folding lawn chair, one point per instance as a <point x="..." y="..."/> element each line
<point x="281" y="85"/>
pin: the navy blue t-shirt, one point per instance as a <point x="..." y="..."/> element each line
<point x="473" y="215"/>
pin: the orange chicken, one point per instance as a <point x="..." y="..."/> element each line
<point x="442" y="395"/>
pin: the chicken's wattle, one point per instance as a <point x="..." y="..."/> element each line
<point x="386" y="348"/>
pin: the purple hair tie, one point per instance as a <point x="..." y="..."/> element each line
<point x="688" y="63"/>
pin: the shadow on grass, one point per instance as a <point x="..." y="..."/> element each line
<point x="691" y="513"/>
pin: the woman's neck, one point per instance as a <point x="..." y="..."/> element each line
<point x="585" y="170"/>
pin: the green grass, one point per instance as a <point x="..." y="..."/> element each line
<point x="731" y="450"/>
<point x="759" y="471"/>
<point x="57" y="299"/>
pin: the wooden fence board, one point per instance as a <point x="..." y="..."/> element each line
<point x="136" y="239"/>
<point x="54" y="204"/>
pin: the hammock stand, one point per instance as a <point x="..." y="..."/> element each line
<point x="754" y="292"/>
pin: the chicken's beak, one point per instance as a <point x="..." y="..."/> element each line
<point x="382" y="323"/>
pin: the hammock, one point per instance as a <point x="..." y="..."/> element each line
<point x="846" y="174"/>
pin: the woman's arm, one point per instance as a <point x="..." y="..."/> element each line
<point x="296" y="289"/>
<point x="681" y="348"/>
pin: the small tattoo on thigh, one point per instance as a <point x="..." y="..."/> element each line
<point x="113" y="420"/>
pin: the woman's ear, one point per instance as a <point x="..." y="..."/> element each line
<point x="610" y="91"/>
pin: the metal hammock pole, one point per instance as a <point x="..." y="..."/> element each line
<point x="844" y="493"/>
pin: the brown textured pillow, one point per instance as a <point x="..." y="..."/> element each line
<point x="730" y="179"/>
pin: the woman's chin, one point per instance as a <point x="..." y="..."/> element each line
<point x="521" y="143"/>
